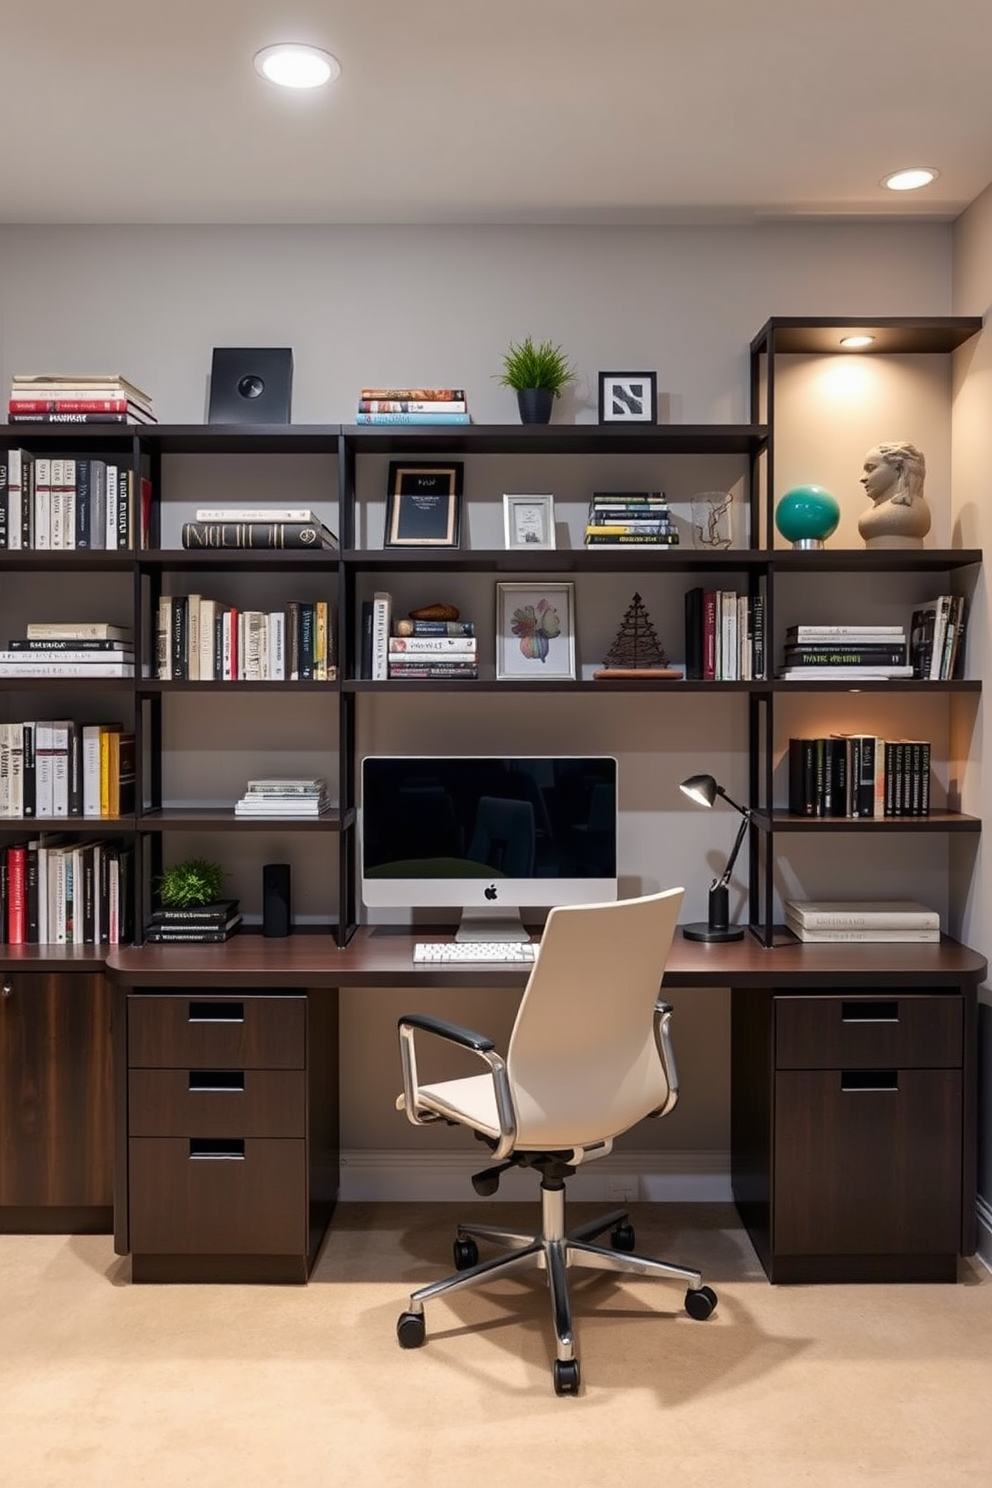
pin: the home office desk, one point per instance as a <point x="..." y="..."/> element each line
<point x="853" y="1098"/>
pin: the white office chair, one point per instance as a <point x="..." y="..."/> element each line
<point x="589" y="1056"/>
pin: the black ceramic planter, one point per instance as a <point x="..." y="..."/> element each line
<point x="535" y="405"/>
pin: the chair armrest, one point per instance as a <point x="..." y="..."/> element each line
<point x="465" y="1038"/>
<point x="666" y="1053"/>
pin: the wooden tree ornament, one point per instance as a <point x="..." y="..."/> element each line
<point x="636" y="650"/>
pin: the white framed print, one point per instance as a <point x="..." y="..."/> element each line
<point x="535" y="632"/>
<point x="628" y="397"/>
<point x="529" y="522"/>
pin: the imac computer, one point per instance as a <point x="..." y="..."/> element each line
<point x="489" y="835"/>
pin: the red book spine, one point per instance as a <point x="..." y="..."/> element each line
<point x="69" y="405"/>
<point x="16" y="895"/>
<point x="709" y="635"/>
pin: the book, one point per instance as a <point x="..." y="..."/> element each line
<point x="218" y="912"/>
<point x="105" y="381"/>
<point x="258" y="514"/>
<point x="440" y="671"/>
<point x="82" y="657"/>
<point x="810" y="633"/>
<point x="289" y="784"/>
<point x="44" y="645"/>
<point x="382" y="609"/>
<point x="83" y="630"/>
<point x="419" y="395"/>
<point x="658" y="539"/>
<point x="37" y="407"/>
<point x="256" y="535"/>
<point x="412" y="405"/>
<point x="878" y="673"/>
<point x="815" y="656"/>
<point x="829" y="937"/>
<point x="854" y="914"/>
<point x="434" y="628"/>
<point x="453" y="646"/>
<point x="621" y="529"/>
<point x="104" y="669"/>
<point x="78" y="418"/>
<point x="413" y="418"/>
<point x="204" y="935"/>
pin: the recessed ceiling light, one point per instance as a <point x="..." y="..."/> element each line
<point x="911" y="179"/>
<point x="293" y="65"/>
<point x="856" y="343"/>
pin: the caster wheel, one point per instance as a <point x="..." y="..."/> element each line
<point x="622" y="1238"/>
<point x="411" y="1330"/>
<point x="466" y="1254"/>
<point x="566" y="1374"/>
<point x="700" y="1303"/>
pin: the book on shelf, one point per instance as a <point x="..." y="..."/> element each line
<point x="77" y="630"/>
<point x="256" y="535"/>
<point x="382" y="612"/>
<point x="826" y="656"/>
<point x="429" y="419"/>
<point x="867" y="935"/>
<point x="440" y="671"/>
<point x="935" y="638"/>
<point x="108" y="670"/>
<point x="82" y="657"/>
<point x="441" y="646"/>
<point x="434" y="628"/>
<point x="259" y="514"/>
<point x="77" y="418"/>
<point x="880" y="672"/>
<point x="418" y="395"/>
<point x="596" y="539"/>
<point x="65" y="647"/>
<point x="412" y="405"/>
<point x="85" y="381"/>
<point x="288" y="785"/>
<point x="865" y="914"/>
<point x="285" y="806"/>
<point x="199" y="934"/>
<point x="807" y="634"/>
<point x="214" y="915"/>
<point x="636" y="526"/>
<point x="76" y="411"/>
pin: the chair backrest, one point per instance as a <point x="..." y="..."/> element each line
<point x="582" y="1062"/>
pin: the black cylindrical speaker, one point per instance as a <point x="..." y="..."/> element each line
<point x="275" y="899"/>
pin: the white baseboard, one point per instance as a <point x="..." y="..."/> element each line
<point x="446" y="1177"/>
<point x="985" y="1232"/>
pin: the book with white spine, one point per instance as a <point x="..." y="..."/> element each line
<point x="855" y="914"/>
<point x="867" y="935"/>
<point x="259" y="514"/>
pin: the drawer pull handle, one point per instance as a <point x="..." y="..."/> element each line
<point x="870" y="1012"/>
<point x="217" y="1080"/>
<point x="216" y="1012"/>
<point x="230" y="1148"/>
<point x="869" y="1079"/>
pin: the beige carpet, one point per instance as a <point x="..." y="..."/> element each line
<point x="104" y="1383"/>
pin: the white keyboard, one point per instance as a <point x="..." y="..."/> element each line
<point x="473" y="953"/>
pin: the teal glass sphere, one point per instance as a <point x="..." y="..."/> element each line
<point x="807" y="515"/>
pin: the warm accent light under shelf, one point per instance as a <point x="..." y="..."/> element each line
<point x="856" y="342"/>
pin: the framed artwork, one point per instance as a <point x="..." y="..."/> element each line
<point x="423" y="505"/>
<point x="628" y="397"/>
<point x="535" y="632"/>
<point x="529" y="522"/>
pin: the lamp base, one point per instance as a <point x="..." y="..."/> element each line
<point x="702" y="931"/>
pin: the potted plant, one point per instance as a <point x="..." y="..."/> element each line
<point x="537" y="372"/>
<point x="191" y="884"/>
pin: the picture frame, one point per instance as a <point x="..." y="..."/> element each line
<point x="628" y="397"/>
<point x="535" y="632"/>
<point x="529" y="522"/>
<point x="423" y="505"/>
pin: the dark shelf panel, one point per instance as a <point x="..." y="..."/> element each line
<point x="60" y="684"/>
<point x="50" y="957"/>
<point x="146" y="686"/>
<point x="893" y="685"/>
<point x="234" y="439"/>
<point x="937" y="821"/>
<point x="555" y="560"/>
<point x="222" y="819"/>
<point x="281" y="559"/>
<point x="559" y="439"/>
<point x="117" y="439"/>
<point x="873" y="560"/>
<point x="86" y="826"/>
<point x="489" y="684"/>
<point x="893" y="334"/>
<point x="85" y="560"/>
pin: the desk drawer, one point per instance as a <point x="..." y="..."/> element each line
<point x="205" y="1030"/>
<point x="211" y="1197"/>
<point x="216" y="1103"/>
<point x="867" y="1030"/>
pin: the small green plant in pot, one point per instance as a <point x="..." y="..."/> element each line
<point x="191" y="884"/>
<point x="537" y="372"/>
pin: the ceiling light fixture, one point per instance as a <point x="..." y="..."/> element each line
<point x="856" y="343"/>
<point x="294" y="65"/>
<point x="911" y="179"/>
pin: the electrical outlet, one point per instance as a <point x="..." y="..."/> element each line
<point x="624" y="1187"/>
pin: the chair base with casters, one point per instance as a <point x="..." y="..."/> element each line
<point x="553" y="1250"/>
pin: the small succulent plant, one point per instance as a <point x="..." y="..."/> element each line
<point x="190" y="884"/>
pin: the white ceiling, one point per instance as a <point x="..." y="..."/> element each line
<point x="493" y="110"/>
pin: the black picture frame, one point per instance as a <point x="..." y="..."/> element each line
<point x="628" y="397"/>
<point x="423" y="505"/>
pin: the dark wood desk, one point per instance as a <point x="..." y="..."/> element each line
<point x="853" y="1100"/>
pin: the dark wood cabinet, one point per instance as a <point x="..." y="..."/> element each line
<point x="56" y="1102"/>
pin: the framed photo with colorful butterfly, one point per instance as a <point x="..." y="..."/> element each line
<point x="535" y="632"/>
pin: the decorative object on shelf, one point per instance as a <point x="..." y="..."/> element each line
<point x="807" y="515"/>
<point x="251" y="385"/>
<point x="529" y="522"/>
<point x="276" y="912"/>
<point x="893" y="479"/>
<point x="704" y="790"/>
<point x="191" y="884"/>
<point x="628" y="397"/>
<point x="535" y="632"/>
<point x="423" y="505"/>
<point x="636" y="652"/>
<point x="712" y="519"/>
<point x="537" y="372"/>
<point x="438" y="611"/>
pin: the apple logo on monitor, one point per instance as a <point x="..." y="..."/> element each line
<point x="491" y="892"/>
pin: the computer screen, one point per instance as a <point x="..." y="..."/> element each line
<point x="489" y="835"/>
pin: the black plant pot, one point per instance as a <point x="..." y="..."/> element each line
<point x="535" y="405"/>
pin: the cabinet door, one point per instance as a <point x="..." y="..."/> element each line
<point x="56" y="1114"/>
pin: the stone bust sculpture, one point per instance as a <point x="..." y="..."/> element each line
<point x="898" y="516"/>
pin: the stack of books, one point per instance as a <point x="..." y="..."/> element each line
<point x="199" y="639"/>
<point x="859" y="775"/>
<point x="257" y="527"/>
<point x="404" y="405"/>
<point x="91" y="649"/>
<point x="936" y="648"/>
<point x="83" y="398"/>
<point x="205" y="923"/>
<point x="845" y="653"/>
<point x="438" y="649"/>
<point x="283" y="797"/>
<point x="630" y="519"/>
<point x="53" y="502"/>
<point x="828" y="920"/>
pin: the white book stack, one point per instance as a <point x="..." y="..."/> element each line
<point x="845" y="653"/>
<point x="91" y="649"/>
<point x="829" y="921"/>
<point x="284" y="797"/>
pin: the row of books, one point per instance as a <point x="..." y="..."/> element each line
<point x="284" y="797"/>
<point x="210" y="923"/>
<point x="199" y="639"/>
<point x="404" y="405"/>
<point x="826" y="920"/>
<point x="724" y="635"/>
<point x="860" y="775"/>
<point x="54" y="892"/>
<point x="82" y="398"/>
<point x="937" y="638"/>
<point x="629" y="519"/>
<point x="57" y="767"/>
<point x="71" y="503"/>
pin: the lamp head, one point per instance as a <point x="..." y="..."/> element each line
<point x="702" y="789"/>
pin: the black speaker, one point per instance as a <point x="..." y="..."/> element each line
<point x="275" y="899"/>
<point x="251" y="385"/>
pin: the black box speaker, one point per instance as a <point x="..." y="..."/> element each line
<point x="275" y="899"/>
<point x="251" y="385"/>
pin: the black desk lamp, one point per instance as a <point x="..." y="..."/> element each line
<point x="704" y="790"/>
